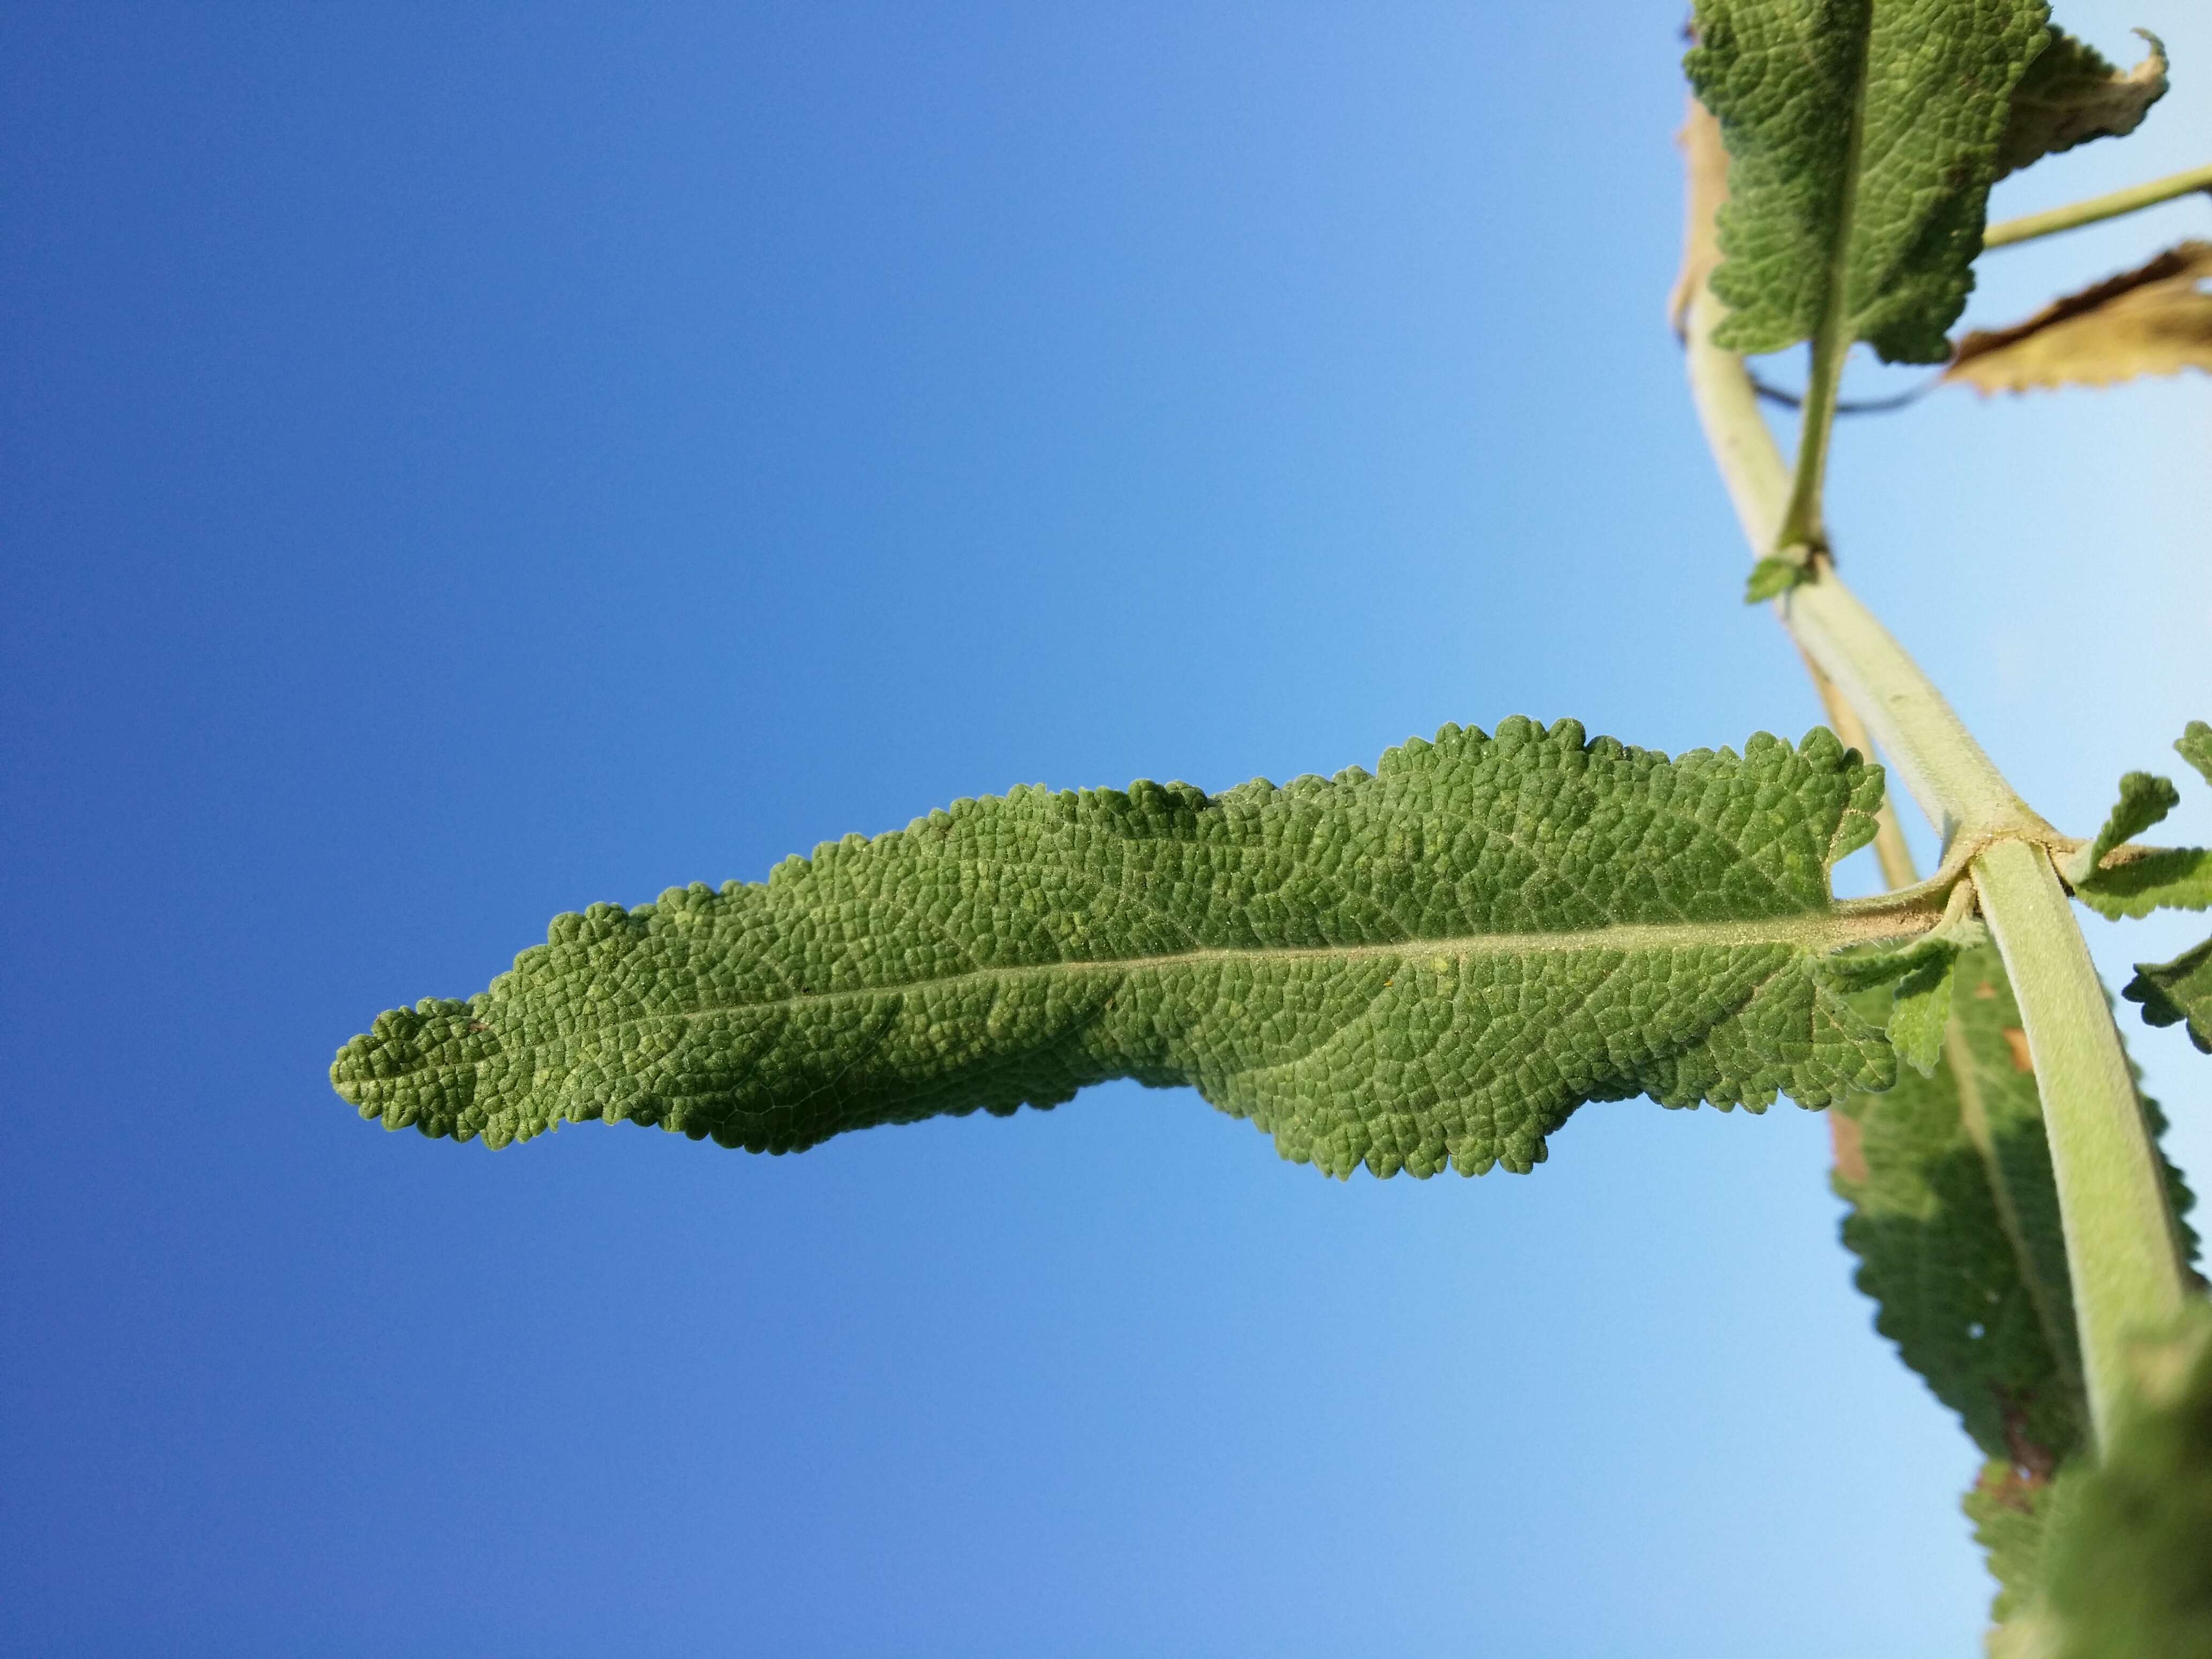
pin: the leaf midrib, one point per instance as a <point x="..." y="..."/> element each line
<point x="1853" y="922"/>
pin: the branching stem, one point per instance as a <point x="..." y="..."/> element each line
<point x="2119" y="1234"/>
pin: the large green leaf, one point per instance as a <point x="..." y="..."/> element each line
<point x="1863" y="136"/>
<point x="1954" y="1217"/>
<point x="1955" y="1220"/>
<point x="1430" y="966"/>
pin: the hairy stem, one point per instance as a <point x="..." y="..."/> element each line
<point x="1927" y="744"/>
<point x="2120" y="1239"/>
<point x="2128" y="1275"/>
<point x="1956" y="783"/>
<point x="2029" y="226"/>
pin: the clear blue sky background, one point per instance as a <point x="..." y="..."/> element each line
<point x="460" y="463"/>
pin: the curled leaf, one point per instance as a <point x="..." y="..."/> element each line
<point x="2195" y="746"/>
<point x="2145" y="799"/>
<point x="2072" y="94"/>
<point x="2155" y="320"/>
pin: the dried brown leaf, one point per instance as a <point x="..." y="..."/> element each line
<point x="1705" y="163"/>
<point x="2155" y="320"/>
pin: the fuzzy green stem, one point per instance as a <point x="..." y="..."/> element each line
<point x="1803" y="523"/>
<point x="1956" y="783"/>
<point x="2120" y="1237"/>
<point x="1924" y="741"/>
<point x="2111" y="1194"/>
<point x="2097" y="209"/>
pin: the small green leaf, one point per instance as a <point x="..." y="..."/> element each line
<point x="1864" y="134"/>
<point x="2154" y="878"/>
<point x="1429" y="967"/>
<point x="2128" y="1566"/>
<point x="1773" y="576"/>
<point x="2195" y="746"/>
<point x="1921" y="1008"/>
<point x="2072" y="94"/>
<point x="2145" y="799"/>
<point x="2171" y="992"/>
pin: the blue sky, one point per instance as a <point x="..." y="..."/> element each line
<point x="462" y="463"/>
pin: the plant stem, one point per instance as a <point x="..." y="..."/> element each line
<point x="2097" y="208"/>
<point x="2111" y="1194"/>
<point x="1945" y="770"/>
<point x="1955" y="783"/>
<point x="1802" y="522"/>
<point x="2120" y="1239"/>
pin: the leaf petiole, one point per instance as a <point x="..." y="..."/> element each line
<point x="2009" y="232"/>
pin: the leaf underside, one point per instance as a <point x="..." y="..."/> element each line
<point x="2133" y="884"/>
<point x="1954" y="1218"/>
<point x="2128" y="1566"/>
<point x="2116" y="880"/>
<point x="2173" y="991"/>
<point x="2012" y="1514"/>
<point x="2145" y="799"/>
<point x="2195" y="746"/>
<point x="2155" y="320"/>
<point x="1863" y="136"/>
<point x="1429" y="967"/>
<point x="1976" y="1302"/>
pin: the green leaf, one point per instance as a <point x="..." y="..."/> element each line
<point x="2195" y="746"/>
<point x="1921" y="1010"/>
<point x="2128" y="1566"/>
<point x="1429" y="966"/>
<point x="2145" y="799"/>
<point x="1864" y="134"/>
<point x="1955" y="1220"/>
<point x="1772" y="577"/>
<point x="2153" y="878"/>
<point x="2171" y="992"/>
<point x="2072" y="94"/>
<point x="2012" y="1512"/>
